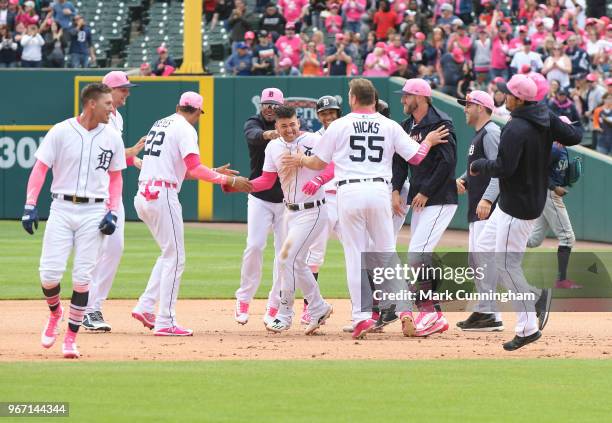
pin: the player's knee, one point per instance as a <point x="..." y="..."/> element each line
<point x="82" y="276"/>
<point x="533" y="242"/>
<point x="254" y="247"/>
<point x="47" y="274"/>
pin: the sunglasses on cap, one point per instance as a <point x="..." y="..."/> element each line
<point x="270" y="106"/>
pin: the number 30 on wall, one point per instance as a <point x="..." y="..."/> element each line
<point x="17" y="152"/>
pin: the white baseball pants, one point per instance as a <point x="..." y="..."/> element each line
<point x="302" y="228"/>
<point x="316" y="253"/>
<point x="398" y="220"/>
<point x="108" y="263"/>
<point x="262" y="216"/>
<point x="483" y="306"/>
<point x="164" y="218"/>
<point x="426" y="229"/>
<point x="71" y="226"/>
<point x="503" y="242"/>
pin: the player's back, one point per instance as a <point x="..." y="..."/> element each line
<point x="168" y="142"/>
<point x="360" y="145"/>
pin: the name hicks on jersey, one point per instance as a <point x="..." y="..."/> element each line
<point x="459" y="295"/>
<point x="364" y="127"/>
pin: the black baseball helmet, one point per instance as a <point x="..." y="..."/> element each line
<point x="328" y="102"/>
<point x="383" y="108"/>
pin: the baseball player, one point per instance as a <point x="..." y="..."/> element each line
<point x="522" y="167"/>
<point x="482" y="198"/>
<point x="112" y="246"/>
<point x="265" y="211"/>
<point x="304" y="220"/>
<point x="555" y="215"/>
<point x="171" y="152"/>
<point x="86" y="157"/>
<point x="362" y="145"/>
<point x="432" y="193"/>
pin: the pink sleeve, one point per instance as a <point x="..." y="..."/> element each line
<point x="420" y="154"/>
<point x="129" y="161"/>
<point x="327" y="174"/>
<point x="115" y="189"/>
<point x="197" y="170"/>
<point x="264" y="182"/>
<point x="36" y="181"/>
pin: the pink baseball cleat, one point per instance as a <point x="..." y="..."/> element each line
<point x="51" y="331"/>
<point x="173" y="331"/>
<point x="305" y="318"/>
<point x="439" y="326"/>
<point x="241" y="312"/>
<point x="567" y="284"/>
<point x="362" y="328"/>
<point x="69" y="349"/>
<point x="426" y="318"/>
<point x="147" y="319"/>
<point x="408" y="324"/>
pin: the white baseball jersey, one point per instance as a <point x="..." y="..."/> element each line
<point x="81" y="159"/>
<point x="362" y="146"/>
<point x="331" y="185"/>
<point x="169" y="141"/>
<point x="116" y="121"/>
<point x="292" y="184"/>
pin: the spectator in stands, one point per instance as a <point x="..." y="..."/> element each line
<point x="32" y="43"/>
<point x="145" y="70"/>
<point x="8" y="48"/>
<point x="546" y="49"/>
<point x="312" y="61"/>
<point x="238" y="23"/>
<point x="286" y="68"/>
<point x="377" y="63"/>
<point x="402" y="70"/>
<point x="63" y="13"/>
<point x="446" y="15"/>
<point x="396" y="50"/>
<point x="562" y="105"/>
<point x="319" y="40"/>
<point x="165" y="64"/>
<point x="499" y="100"/>
<point x="499" y="49"/>
<point x="553" y="87"/>
<point x="3" y="12"/>
<point x="338" y="61"/>
<point x="579" y="59"/>
<point x="223" y="11"/>
<point x="54" y="50"/>
<point x="541" y="34"/>
<point x="460" y="39"/>
<point x="451" y="71"/>
<point x="594" y="94"/>
<point x="516" y="44"/>
<point x="563" y="33"/>
<point x="316" y="8"/>
<point x="368" y="46"/>
<point x="604" y="140"/>
<point x="209" y="10"/>
<point x="428" y="74"/>
<point x="240" y="62"/>
<point x="333" y="22"/>
<point x="11" y="14"/>
<point x="438" y="43"/>
<point x="464" y="9"/>
<point x="272" y="21"/>
<point x="289" y="45"/>
<point x="265" y="55"/>
<point x="482" y="53"/>
<point x="81" y="48"/>
<point x="421" y="53"/>
<point x="558" y="66"/>
<point x="294" y="11"/>
<point x="28" y="15"/>
<point x="353" y="10"/>
<point x="384" y="19"/>
<point x="526" y="57"/>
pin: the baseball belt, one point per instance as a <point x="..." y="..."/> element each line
<point x="304" y="206"/>
<point x="355" y="181"/>
<point x="76" y="200"/>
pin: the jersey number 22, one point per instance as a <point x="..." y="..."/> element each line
<point x="153" y="143"/>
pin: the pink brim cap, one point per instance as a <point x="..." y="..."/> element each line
<point x="272" y="95"/>
<point x="416" y="86"/>
<point x="191" y="99"/>
<point x="541" y="84"/>
<point x="117" y="79"/>
<point x="520" y="86"/>
<point x="480" y="98"/>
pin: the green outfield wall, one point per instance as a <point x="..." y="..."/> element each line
<point x="32" y="101"/>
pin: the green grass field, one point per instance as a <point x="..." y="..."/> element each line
<point x="327" y="391"/>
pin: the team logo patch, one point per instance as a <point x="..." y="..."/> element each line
<point x="308" y="151"/>
<point x="306" y="109"/>
<point x="104" y="159"/>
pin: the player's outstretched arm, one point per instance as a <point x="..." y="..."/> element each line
<point x="29" y="220"/>
<point x="312" y="186"/>
<point x="264" y="182"/>
<point x="136" y="148"/>
<point x="293" y="161"/>
<point x="197" y="170"/>
<point x="431" y="140"/>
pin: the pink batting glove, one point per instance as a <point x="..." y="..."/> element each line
<point x="311" y="187"/>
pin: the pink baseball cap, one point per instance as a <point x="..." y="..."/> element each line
<point x="608" y="81"/>
<point x="498" y="79"/>
<point x="117" y="79"/>
<point x="416" y="86"/>
<point x="191" y="99"/>
<point x="592" y="77"/>
<point x="290" y="25"/>
<point x="519" y="86"/>
<point x="480" y="98"/>
<point x="458" y="55"/>
<point x="380" y="44"/>
<point x="249" y="35"/>
<point x="419" y="36"/>
<point x="591" y="21"/>
<point x="272" y="96"/>
<point x="162" y="49"/>
<point x="563" y="21"/>
<point x="541" y="84"/>
<point x="339" y="36"/>
<point x="144" y="66"/>
<point x="522" y="28"/>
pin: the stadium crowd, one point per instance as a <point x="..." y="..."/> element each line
<point x="456" y="45"/>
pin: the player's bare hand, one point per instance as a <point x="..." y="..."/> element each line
<point x="483" y="209"/>
<point x="225" y="170"/>
<point x="460" y="186"/>
<point x="437" y="137"/>
<point x="291" y="161"/>
<point x="270" y="135"/>
<point x="136" y="148"/>
<point x="241" y="184"/>
<point x="399" y="209"/>
<point x="560" y="191"/>
<point x="418" y="202"/>
<point x="137" y="163"/>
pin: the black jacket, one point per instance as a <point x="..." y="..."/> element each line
<point x="435" y="176"/>
<point x="254" y="128"/>
<point x="523" y="159"/>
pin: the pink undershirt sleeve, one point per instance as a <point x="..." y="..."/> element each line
<point x="327" y="174"/>
<point x="115" y="189"/>
<point x="129" y="161"/>
<point x="197" y="170"/>
<point x="264" y="182"/>
<point x="35" y="182"/>
<point x="420" y="154"/>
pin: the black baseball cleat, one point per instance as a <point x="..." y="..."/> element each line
<point x="542" y="307"/>
<point x="481" y="322"/>
<point x="87" y="321"/>
<point x="386" y="317"/>
<point x="521" y="341"/>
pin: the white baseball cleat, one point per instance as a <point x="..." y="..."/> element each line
<point x="316" y="320"/>
<point x="278" y="326"/>
<point x="270" y="315"/>
<point x="241" y="313"/>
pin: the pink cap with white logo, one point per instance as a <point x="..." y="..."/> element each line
<point x="117" y="79"/>
<point x="416" y="86"/>
<point x="191" y="99"/>
<point x="272" y="95"/>
<point x="480" y="98"/>
<point x="520" y="86"/>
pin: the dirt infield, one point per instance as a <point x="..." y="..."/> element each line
<point x="218" y="337"/>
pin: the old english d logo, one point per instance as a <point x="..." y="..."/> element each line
<point x="104" y="159"/>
